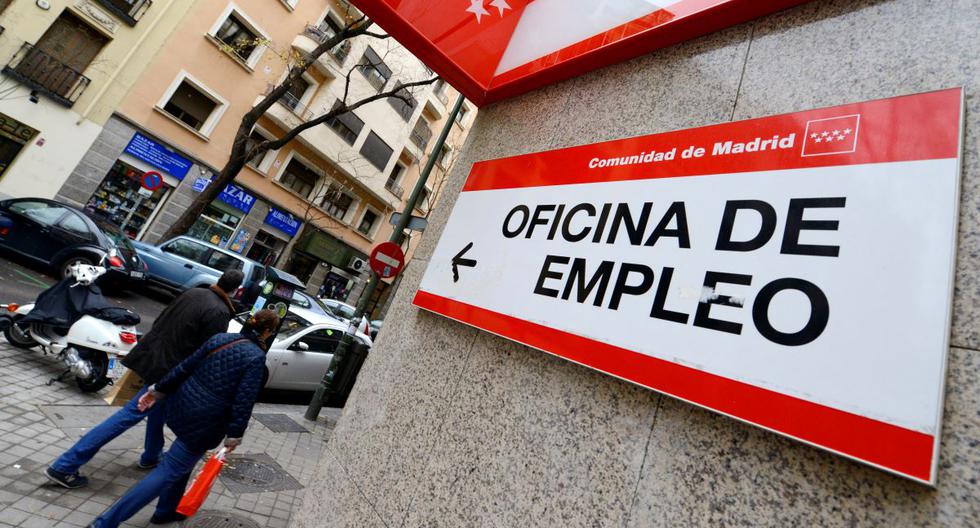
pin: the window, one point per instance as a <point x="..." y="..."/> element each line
<point x="423" y="202"/>
<point x="406" y="107"/>
<point x="130" y="11"/>
<point x="329" y="27"/>
<point x="265" y="249"/>
<point x="190" y="106"/>
<point x="367" y="222"/>
<point x="337" y="203"/>
<point x="238" y="36"/>
<point x="376" y="151"/>
<point x="187" y="249"/>
<point x="41" y="212"/>
<point x="223" y="262"/>
<point x="55" y="64"/>
<point x="374" y="69"/>
<point x="461" y="115"/>
<point x="422" y="133"/>
<point x="294" y="96"/>
<point x="445" y="156"/>
<point x="75" y="225"/>
<point x="322" y="341"/>
<point x="254" y="139"/>
<point x="440" y="90"/>
<point x="299" y="178"/>
<point x="348" y="126"/>
<point x="396" y="175"/>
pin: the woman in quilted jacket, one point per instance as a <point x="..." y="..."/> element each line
<point x="211" y="394"/>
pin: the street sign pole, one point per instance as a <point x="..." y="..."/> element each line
<point x="340" y="359"/>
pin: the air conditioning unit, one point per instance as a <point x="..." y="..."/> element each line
<point x="357" y="264"/>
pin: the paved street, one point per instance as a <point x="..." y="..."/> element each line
<point x="259" y="488"/>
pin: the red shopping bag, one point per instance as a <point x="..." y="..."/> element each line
<point x="198" y="491"/>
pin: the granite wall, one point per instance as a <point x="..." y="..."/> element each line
<point x="452" y="427"/>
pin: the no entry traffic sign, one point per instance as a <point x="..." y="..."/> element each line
<point x="387" y="260"/>
<point x="151" y="181"/>
<point x="794" y="272"/>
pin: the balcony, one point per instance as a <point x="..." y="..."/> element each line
<point x="46" y="74"/>
<point x="395" y="189"/>
<point x="129" y="11"/>
<point x="320" y="35"/>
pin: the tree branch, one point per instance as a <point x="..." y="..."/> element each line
<point x="340" y="110"/>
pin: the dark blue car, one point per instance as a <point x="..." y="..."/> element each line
<point x="58" y="236"/>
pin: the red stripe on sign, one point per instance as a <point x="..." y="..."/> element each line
<point x="910" y="128"/>
<point x="891" y="447"/>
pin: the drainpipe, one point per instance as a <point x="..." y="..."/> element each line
<point x="129" y="55"/>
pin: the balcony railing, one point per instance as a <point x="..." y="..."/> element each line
<point x="318" y="34"/>
<point x="421" y="134"/>
<point x="291" y="102"/>
<point x="395" y="188"/>
<point x="129" y="11"/>
<point x="46" y="74"/>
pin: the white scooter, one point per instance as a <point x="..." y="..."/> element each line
<point x="91" y="348"/>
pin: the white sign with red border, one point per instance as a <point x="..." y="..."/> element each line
<point x="794" y="272"/>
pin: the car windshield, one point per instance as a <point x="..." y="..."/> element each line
<point x="115" y="235"/>
<point x="292" y="324"/>
<point x="340" y="309"/>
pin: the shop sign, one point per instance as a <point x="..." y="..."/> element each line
<point x="284" y="222"/>
<point x="200" y="184"/>
<point x="145" y="149"/>
<point x="237" y="197"/>
<point x="794" y="272"/>
<point x="15" y="130"/>
<point x="494" y="49"/>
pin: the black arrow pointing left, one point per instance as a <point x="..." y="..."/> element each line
<point x="458" y="260"/>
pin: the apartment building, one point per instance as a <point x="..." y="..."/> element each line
<point x="315" y="207"/>
<point x="65" y="66"/>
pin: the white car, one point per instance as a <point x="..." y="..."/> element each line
<point x="303" y="349"/>
<point x="345" y="311"/>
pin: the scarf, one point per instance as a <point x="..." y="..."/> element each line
<point x="224" y="297"/>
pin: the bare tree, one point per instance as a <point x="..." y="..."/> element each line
<point x="243" y="150"/>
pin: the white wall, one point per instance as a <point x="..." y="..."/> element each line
<point x="40" y="170"/>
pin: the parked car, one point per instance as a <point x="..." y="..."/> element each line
<point x="302" y="352"/>
<point x="59" y="236"/>
<point x="184" y="262"/>
<point x="345" y="312"/>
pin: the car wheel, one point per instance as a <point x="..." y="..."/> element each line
<point x="71" y="261"/>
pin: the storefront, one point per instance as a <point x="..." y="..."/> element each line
<point x="220" y="220"/>
<point x="121" y="199"/>
<point x="328" y="266"/>
<point x="14" y="136"/>
<point x="271" y="240"/>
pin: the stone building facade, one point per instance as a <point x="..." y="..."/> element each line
<point x="449" y="426"/>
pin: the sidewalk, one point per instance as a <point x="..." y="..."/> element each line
<point x="264" y="480"/>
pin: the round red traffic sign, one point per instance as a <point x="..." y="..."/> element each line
<point x="152" y="181"/>
<point x="387" y="259"/>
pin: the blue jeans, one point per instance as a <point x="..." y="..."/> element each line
<point x="115" y="425"/>
<point x="167" y="481"/>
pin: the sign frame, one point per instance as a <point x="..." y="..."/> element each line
<point x="688" y="20"/>
<point x="929" y="147"/>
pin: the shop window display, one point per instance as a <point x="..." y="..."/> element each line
<point x="121" y="200"/>
<point x="266" y="248"/>
<point x="217" y="224"/>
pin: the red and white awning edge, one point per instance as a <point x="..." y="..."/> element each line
<point x="492" y="50"/>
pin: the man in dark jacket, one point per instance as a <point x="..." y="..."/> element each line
<point x="209" y="399"/>
<point x="190" y="320"/>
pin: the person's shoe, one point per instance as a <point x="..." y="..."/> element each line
<point x="167" y="518"/>
<point x="68" y="480"/>
<point x="151" y="465"/>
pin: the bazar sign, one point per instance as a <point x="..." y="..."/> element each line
<point x="494" y="49"/>
<point x="794" y="271"/>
